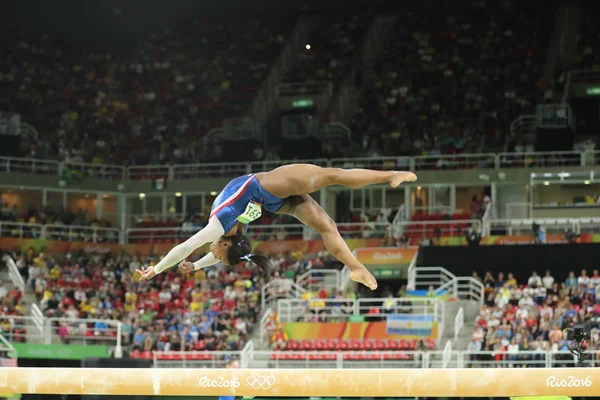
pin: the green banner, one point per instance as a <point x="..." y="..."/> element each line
<point x="60" y="351"/>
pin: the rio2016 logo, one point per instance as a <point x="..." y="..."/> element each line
<point x="220" y="382"/>
<point x="568" y="382"/>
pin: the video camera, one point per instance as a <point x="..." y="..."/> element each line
<point x="578" y="333"/>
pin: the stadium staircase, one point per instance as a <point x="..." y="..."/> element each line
<point x="263" y="105"/>
<point x="11" y="277"/>
<point x="375" y="41"/>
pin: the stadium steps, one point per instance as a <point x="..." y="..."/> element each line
<point x="28" y="297"/>
<point x="471" y="310"/>
<point x="374" y="42"/>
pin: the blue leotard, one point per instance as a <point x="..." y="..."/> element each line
<point x="234" y="198"/>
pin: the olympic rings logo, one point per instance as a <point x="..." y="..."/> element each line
<point x="260" y="382"/>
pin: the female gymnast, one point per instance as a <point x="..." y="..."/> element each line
<point x="284" y="190"/>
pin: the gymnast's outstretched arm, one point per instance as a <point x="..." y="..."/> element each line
<point x="211" y="232"/>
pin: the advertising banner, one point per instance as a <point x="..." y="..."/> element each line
<point x="381" y="256"/>
<point x="353" y="330"/>
<point x="60" y="351"/>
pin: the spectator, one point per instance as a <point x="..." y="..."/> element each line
<point x="534" y="280"/>
<point x="548" y="280"/>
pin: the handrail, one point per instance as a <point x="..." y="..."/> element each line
<point x="319" y="278"/>
<point x="39" y="320"/>
<point x="279" y="289"/>
<point x="13" y="273"/>
<point x="447" y="354"/>
<point x="196" y="170"/>
<point x="446" y="358"/>
<point x="289" y="309"/>
<point x="299" y="231"/>
<point x="49" y="231"/>
<point x="459" y="322"/>
<point x="8" y="347"/>
<point x="264" y="321"/>
<point x="422" y="277"/>
<point x="248" y="349"/>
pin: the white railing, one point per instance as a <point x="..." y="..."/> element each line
<point x="428" y="229"/>
<point x="38" y="319"/>
<point x="351" y="359"/>
<point x="21" y="230"/>
<point x="13" y="273"/>
<point x="97" y="171"/>
<point x="411" y="282"/>
<point x="264" y="324"/>
<point x="376" y="163"/>
<point x="279" y="289"/>
<point x="29" y="166"/>
<point x="244" y="354"/>
<point x="445" y="283"/>
<point x="315" y="279"/>
<point x="83" y="331"/>
<point x="447" y="354"/>
<point x="345" y="277"/>
<point x="293" y="310"/>
<point x="552" y="225"/>
<point x="505" y="359"/>
<point x="59" y="232"/>
<point x="413" y="229"/>
<point x="454" y="161"/>
<point x="459" y="322"/>
<point x="40" y="329"/>
<point x="195" y="171"/>
<point x="21" y="329"/>
<point x="194" y="359"/>
<point x="262" y="232"/>
<point x="541" y="159"/>
<point x="199" y="171"/>
<point x="6" y="347"/>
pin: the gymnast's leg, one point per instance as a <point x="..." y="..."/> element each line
<point x="299" y="179"/>
<point x="311" y="214"/>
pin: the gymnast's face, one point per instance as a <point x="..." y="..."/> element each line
<point x="219" y="249"/>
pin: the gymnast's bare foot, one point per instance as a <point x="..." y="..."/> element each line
<point x="402" y="176"/>
<point x="364" y="276"/>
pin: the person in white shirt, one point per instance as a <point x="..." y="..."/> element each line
<point x="534" y="280"/>
<point x="595" y="279"/>
<point x="526" y="301"/>
<point x="584" y="279"/>
<point x="548" y="280"/>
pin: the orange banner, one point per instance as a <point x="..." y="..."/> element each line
<point x="386" y="255"/>
<point x="344" y="330"/>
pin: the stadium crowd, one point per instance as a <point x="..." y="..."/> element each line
<point x="532" y="315"/>
<point x="100" y="105"/>
<point x="452" y="81"/>
<point x="213" y="309"/>
<point x="58" y="219"/>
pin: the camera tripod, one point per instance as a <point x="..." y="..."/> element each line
<point x="577" y="350"/>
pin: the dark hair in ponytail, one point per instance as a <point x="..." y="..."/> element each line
<point x="240" y="248"/>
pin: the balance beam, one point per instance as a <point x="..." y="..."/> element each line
<point x="492" y="382"/>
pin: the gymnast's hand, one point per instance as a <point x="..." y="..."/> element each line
<point x="146" y="272"/>
<point x="186" y="266"/>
